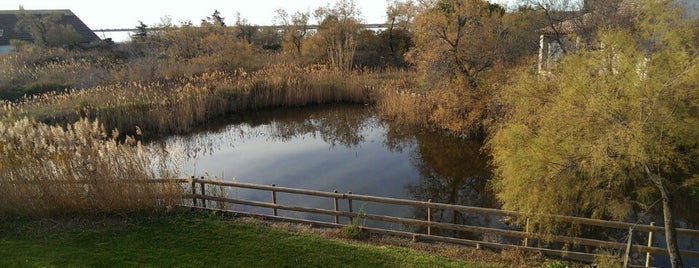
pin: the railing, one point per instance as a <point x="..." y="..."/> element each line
<point x="201" y="198"/>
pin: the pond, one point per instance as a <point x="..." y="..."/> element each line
<point x="346" y="148"/>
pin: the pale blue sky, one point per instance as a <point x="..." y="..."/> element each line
<point x="98" y="14"/>
<point x="126" y="13"/>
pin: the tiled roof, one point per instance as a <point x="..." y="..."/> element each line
<point x="8" y="19"/>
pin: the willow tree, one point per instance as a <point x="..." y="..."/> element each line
<point x="612" y="130"/>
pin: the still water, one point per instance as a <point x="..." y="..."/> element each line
<point x="343" y="148"/>
<point x="346" y="148"/>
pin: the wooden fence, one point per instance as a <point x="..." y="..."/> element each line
<point x="205" y="197"/>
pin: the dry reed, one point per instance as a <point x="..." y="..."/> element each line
<point x="176" y="105"/>
<point x="401" y="101"/>
<point x="46" y="170"/>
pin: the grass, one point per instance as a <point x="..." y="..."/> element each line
<point x="189" y="239"/>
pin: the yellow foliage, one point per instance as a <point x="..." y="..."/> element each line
<point x="590" y="139"/>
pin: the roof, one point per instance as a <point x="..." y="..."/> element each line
<point x="8" y="19"/>
<point x="625" y="8"/>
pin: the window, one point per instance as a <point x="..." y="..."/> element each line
<point x="1" y="32"/>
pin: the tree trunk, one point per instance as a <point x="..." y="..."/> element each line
<point x="668" y="217"/>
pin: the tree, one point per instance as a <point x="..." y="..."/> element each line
<point x="458" y="39"/>
<point x="215" y="19"/>
<point x="338" y="29"/>
<point x="141" y="32"/>
<point x="611" y="131"/>
<point x="45" y="29"/>
<point x="398" y="36"/>
<point x="246" y="31"/>
<point x="459" y="48"/>
<point x="522" y="34"/>
<point x="295" y="29"/>
<point x="268" y="38"/>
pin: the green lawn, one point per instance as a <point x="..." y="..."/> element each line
<point x="189" y="240"/>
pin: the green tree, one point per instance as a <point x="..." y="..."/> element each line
<point x="611" y="131"/>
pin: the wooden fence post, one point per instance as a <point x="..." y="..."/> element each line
<point x="429" y="216"/>
<point x="628" y="248"/>
<point x="336" y="205"/>
<point x="650" y="244"/>
<point x="274" y="199"/>
<point x="349" y="203"/>
<point x="194" y="192"/>
<point x="202" y="184"/>
<point x="526" y="230"/>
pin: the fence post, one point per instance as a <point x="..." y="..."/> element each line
<point x="650" y="244"/>
<point x="429" y="216"/>
<point x="274" y="199"/>
<point x="203" y="192"/>
<point x="526" y="231"/>
<point x="336" y="205"/>
<point x="628" y="248"/>
<point x="194" y="192"/>
<point x="349" y="203"/>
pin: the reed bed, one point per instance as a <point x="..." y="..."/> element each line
<point x="176" y="105"/>
<point x="400" y="100"/>
<point x="47" y="170"/>
<point x="36" y="73"/>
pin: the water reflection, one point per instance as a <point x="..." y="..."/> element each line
<point x="346" y="148"/>
<point x="452" y="171"/>
<point x="342" y="148"/>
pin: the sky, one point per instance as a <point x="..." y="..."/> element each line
<point x="113" y="14"/>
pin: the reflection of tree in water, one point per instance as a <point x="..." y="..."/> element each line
<point x="452" y="171"/>
<point x="336" y="125"/>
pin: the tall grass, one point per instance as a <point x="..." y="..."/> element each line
<point x="47" y="170"/>
<point x="34" y="73"/>
<point x="401" y="101"/>
<point x="445" y="105"/>
<point x="175" y="105"/>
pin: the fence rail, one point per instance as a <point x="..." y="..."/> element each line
<point x="200" y="198"/>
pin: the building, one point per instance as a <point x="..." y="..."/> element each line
<point x="8" y="31"/>
<point x="556" y="40"/>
